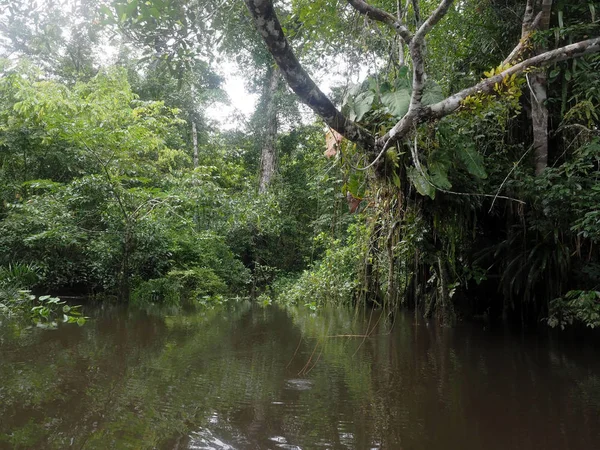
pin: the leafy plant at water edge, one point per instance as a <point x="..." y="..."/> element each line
<point x="331" y="280"/>
<point x="200" y="284"/>
<point x="18" y="302"/>
<point x="49" y="310"/>
<point x="575" y="306"/>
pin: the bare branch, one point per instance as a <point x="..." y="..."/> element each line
<point x="415" y="4"/>
<point x="401" y="42"/>
<point x="398" y="131"/>
<point x="301" y="83"/>
<point x="382" y="16"/>
<point x="541" y="21"/>
<point x="519" y="49"/>
<point x="486" y="86"/>
<point x="432" y="20"/>
<point x="417" y="50"/>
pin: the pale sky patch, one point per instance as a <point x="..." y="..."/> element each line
<point x="242" y="103"/>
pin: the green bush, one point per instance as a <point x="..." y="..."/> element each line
<point x="197" y="282"/>
<point x="332" y="280"/>
<point x="17" y="302"/>
<point x="575" y="306"/>
<point x="15" y="279"/>
<point x="177" y="286"/>
<point x="162" y="291"/>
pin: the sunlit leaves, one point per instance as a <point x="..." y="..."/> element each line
<point x="180" y="35"/>
<point x="101" y="119"/>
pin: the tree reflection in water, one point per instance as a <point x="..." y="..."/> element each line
<point x="272" y="378"/>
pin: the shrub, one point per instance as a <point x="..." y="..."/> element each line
<point x="198" y="282"/>
<point x="331" y="280"/>
<point x="159" y="291"/>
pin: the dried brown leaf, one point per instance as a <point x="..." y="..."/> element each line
<point x="332" y="142"/>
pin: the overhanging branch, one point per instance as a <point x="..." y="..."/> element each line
<point x="270" y="29"/>
<point x="417" y="54"/>
<point x="268" y="26"/>
<point x="452" y="103"/>
<point x="486" y="86"/>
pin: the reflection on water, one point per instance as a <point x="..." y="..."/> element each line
<point x="256" y="378"/>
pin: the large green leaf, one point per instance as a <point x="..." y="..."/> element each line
<point x="353" y="91"/>
<point x="432" y="93"/>
<point x="355" y="184"/>
<point x="472" y="160"/>
<point x="403" y="74"/>
<point x="421" y="183"/>
<point x="439" y="175"/>
<point x="131" y="8"/>
<point x="396" y="102"/>
<point x="361" y="105"/>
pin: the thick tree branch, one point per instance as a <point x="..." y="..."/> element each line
<point x="419" y="75"/>
<point x="382" y="16"/>
<point x="415" y="4"/>
<point x="270" y="29"/>
<point x="487" y="86"/>
<point x="526" y="25"/>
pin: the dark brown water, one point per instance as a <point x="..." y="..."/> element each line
<point x="256" y="378"/>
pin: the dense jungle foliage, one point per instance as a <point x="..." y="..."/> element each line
<point x="117" y="182"/>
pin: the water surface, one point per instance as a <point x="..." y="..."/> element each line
<point x="267" y="378"/>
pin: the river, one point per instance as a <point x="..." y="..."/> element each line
<point x="272" y="378"/>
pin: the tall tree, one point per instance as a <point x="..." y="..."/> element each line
<point x="539" y="95"/>
<point x="268" y="156"/>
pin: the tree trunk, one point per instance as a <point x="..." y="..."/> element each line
<point x="392" y="288"/>
<point x="195" y="156"/>
<point x="195" y="142"/>
<point x="539" y="120"/>
<point x="124" y="290"/>
<point x="539" y="110"/>
<point x="390" y="296"/>
<point x="401" y="43"/>
<point x="445" y="310"/>
<point x="268" y="157"/>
